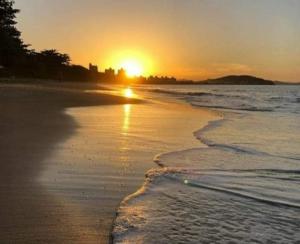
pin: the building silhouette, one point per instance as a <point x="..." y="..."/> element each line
<point x="93" y="68"/>
<point x="109" y="74"/>
<point x="121" y="76"/>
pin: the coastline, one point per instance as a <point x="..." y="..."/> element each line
<point x="106" y="181"/>
<point x="75" y="193"/>
<point x="120" y="225"/>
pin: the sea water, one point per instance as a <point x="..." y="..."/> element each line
<point x="243" y="188"/>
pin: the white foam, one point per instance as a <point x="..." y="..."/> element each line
<point x="243" y="187"/>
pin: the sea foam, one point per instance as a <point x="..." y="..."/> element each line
<point x="242" y="188"/>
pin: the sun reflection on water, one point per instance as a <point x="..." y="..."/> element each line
<point x="128" y="93"/>
<point x="126" y="120"/>
<point x="125" y="140"/>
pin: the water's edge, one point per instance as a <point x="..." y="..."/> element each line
<point x="220" y="118"/>
<point x="247" y="166"/>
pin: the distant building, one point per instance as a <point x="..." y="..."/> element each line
<point x="93" y="68"/>
<point x="121" y="76"/>
<point x="109" y="72"/>
<point x="109" y="75"/>
<point x="121" y="73"/>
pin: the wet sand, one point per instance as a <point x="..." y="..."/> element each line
<point x="65" y="170"/>
<point x="32" y="123"/>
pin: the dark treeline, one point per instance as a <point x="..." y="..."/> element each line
<point x="18" y="60"/>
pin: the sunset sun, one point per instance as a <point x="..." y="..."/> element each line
<point x="135" y="62"/>
<point x="133" y="67"/>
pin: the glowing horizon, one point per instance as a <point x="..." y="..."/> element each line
<point x="135" y="63"/>
<point x="186" y="39"/>
<point x="132" y="68"/>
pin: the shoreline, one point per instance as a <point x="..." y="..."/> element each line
<point x="237" y="176"/>
<point x="33" y="122"/>
<point x="130" y="183"/>
<point x="86" y="214"/>
<point x="161" y="169"/>
<point x="154" y="172"/>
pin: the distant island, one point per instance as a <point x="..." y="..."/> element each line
<point x="237" y="80"/>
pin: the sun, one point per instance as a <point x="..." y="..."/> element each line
<point x="135" y="62"/>
<point x="133" y="67"/>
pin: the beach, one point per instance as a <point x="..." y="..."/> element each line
<point x="86" y="164"/>
<point x="32" y="123"/>
<point x="67" y="161"/>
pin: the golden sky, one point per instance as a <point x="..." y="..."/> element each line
<point x="192" y="39"/>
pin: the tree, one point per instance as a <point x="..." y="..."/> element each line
<point x="50" y="64"/>
<point x="53" y="58"/>
<point x="19" y="61"/>
<point x="11" y="44"/>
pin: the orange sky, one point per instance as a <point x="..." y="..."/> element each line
<point x="187" y="39"/>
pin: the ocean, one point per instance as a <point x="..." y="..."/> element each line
<point x="242" y="187"/>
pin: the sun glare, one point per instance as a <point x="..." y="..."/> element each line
<point x="134" y="62"/>
<point x="133" y="68"/>
<point x="128" y="93"/>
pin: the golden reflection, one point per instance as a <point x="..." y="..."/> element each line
<point x="126" y="121"/>
<point x="128" y="92"/>
<point x="125" y="143"/>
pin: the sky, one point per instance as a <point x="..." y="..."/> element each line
<point x="189" y="39"/>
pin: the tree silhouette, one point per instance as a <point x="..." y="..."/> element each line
<point x="11" y="44"/>
<point x="19" y="61"/>
<point x="53" y="58"/>
<point x="52" y="63"/>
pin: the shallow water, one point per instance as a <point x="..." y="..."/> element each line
<point x="173" y="212"/>
<point x="106" y="159"/>
<point x="243" y="188"/>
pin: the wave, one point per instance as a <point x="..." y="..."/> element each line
<point x="271" y="201"/>
<point x="270" y="187"/>
<point x="173" y="194"/>
<point x="172" y="92"/>
<point x="234" y="100"/>
<point x="261" y="182"/>
<point x="213" y="103"/>
<point x="240" y="149"/>
<point x="289" y="99"/>
<point x="242" y="107"/>
<point x="187" y="177"/>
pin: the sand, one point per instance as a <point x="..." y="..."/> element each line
<point x="32" y="122"/>
<point x="67" y="163"/>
